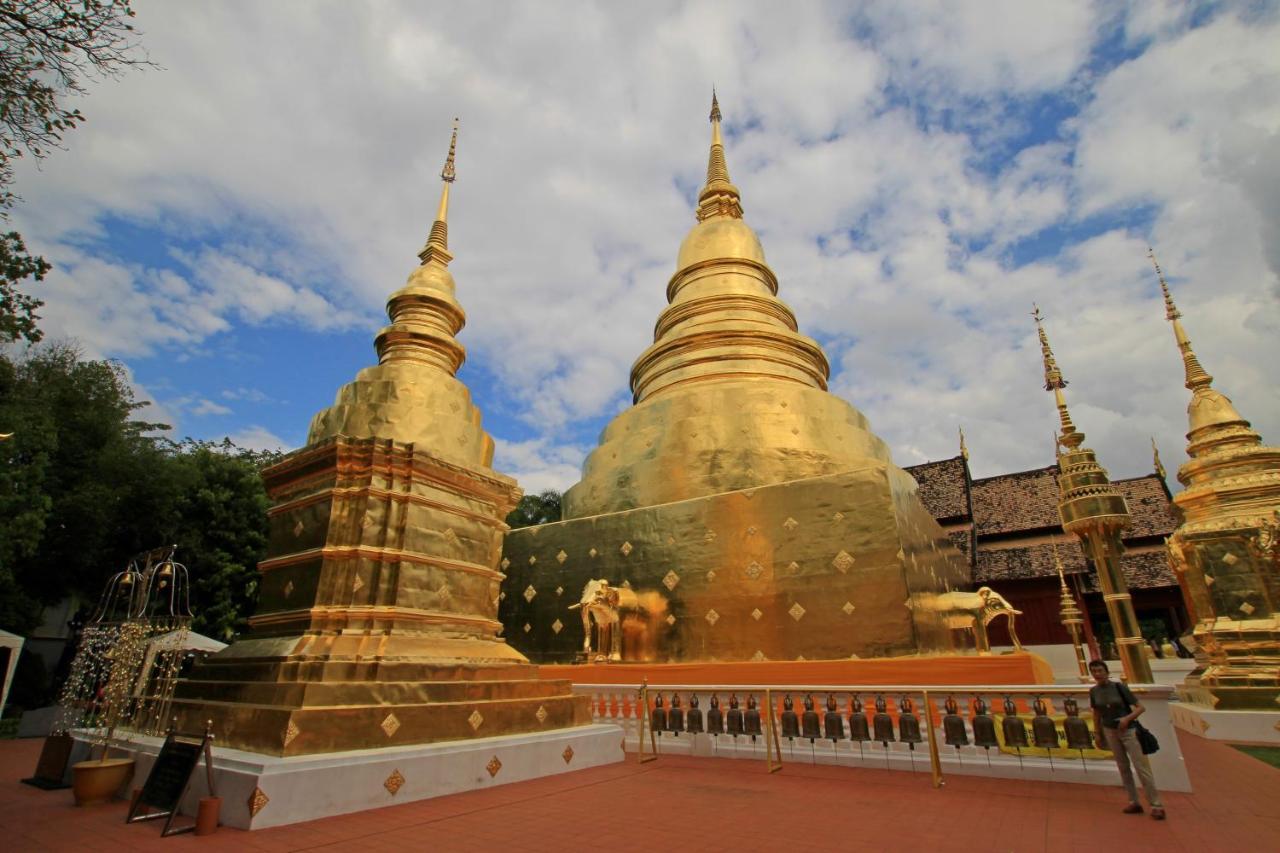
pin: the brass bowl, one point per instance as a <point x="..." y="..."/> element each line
<point x="99" y="781"/>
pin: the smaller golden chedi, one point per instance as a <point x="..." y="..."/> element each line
<point x="376" y="622"/>
<point x="1226" y="552"/>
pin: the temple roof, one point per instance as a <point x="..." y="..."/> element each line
<point x="943" y="487"/>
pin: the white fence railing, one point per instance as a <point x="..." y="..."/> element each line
<point x="1023" y="732"/>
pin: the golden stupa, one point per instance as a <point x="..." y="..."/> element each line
<point x="377" y="614"/>
<point x="1226" y="551"/>
<point x="754" y="511"/>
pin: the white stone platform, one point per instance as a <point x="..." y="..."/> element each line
<point x="259" y="791"/>
<point x="1238" y="726"/>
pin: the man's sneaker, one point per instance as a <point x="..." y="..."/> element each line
<point x="1133" y="808"/>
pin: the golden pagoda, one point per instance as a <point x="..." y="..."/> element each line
<point x="1226" y="551"/>
<point x="1096" y="513"/>
<point x="376" y="623"/>
<point x="753" y="511"/>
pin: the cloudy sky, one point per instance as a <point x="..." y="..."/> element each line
<point x="229" y="224"/>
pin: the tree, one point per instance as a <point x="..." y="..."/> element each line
<point x="48" y="50"/>
<point x="541" y="508"/>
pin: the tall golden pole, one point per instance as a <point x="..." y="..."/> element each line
<point x="1071" y="616"/>
<point x="1096" y="513"/>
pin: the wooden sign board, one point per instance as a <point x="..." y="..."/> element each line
<point x="169" y="779"/>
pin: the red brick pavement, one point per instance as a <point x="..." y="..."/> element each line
<point x="689" y="805"/>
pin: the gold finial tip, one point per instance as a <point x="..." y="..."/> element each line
<point x="447" y="174"/>
<point x="715" y="105"/>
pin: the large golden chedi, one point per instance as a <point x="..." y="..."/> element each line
<point x="1226" y="551"/>
<point x="376" y="623"/>
<point x="759" y="509"/>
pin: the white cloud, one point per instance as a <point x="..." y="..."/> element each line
<point x="259" y="438"/>
<point x="876" y="149"/>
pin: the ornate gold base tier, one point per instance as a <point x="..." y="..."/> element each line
<point x="1022" y="669"/>
<point x="440" y="704"/>
<point x="849" y="564"/>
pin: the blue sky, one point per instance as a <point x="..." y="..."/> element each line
<point x="229" y="225"/>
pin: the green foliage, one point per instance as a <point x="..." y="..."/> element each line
<point x="84" y="485"/>
<point x="536" y="509"/>
<point x="48" y="49"/>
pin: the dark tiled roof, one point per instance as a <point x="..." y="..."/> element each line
<point x="1150" y="507"/>
<point x="1033" y="561"/>
<point x="1025" y="500"/>
<point x="943" y="487"/>
<point x="962" y="538"/>
<point x="1142" y="570"/>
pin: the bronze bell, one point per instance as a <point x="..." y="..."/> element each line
<point x="833" y="723"/>
<point x="810" y="723"/>
<point x="751" y="719"/>
<point x="1014" y="729"/>
<point x="790" y="722"/>
<point x="953" y="730"/>
<point x="658" y="717"/>
<point x="984" y="725"/>
<point x="693" y="720"/>
<point x="734" y="718"/>
<point x="882" y="723"/>
<point x="1076" y="729"/>
<point x="675" y="717"/>
<point x="715" y="719"/>
<point x="908" y="723"/>
<point x="1043" y="732"/>
<point x="858" y="729"/>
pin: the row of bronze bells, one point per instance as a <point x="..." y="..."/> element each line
<point x="831" y="726"/>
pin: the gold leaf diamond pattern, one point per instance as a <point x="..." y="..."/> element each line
<point x="790" y="524"/>
<point x="291" y="731"/>
<point x="493" y="766"/>
<point x="561" y="557"/>
<point x="557" y="626"/>
<point x="1247" y="609"/>
<point x="797" y="612"/>
<point x="1210" y="580"/>
<point x="843" y="561"/>
<point x="541" y="713"/>
<point x="506" y="563"/>
<point x="394" y="782"/>
<point x="671" y="620"/>
<point x="758" y="656"/>
<point x="712" y="617"/>
<point x="710" y="537"/>
<point x="670" y="579"/>
<point x="711" y="575"/>
<point x="559" y="590"/>
<point x="533" y="560"/>
<point x="450" y="536"/>
<point x="257" y="801"/>
<point x="593" y="552"/>
<point x="751" y="531"/>
<point x="1230" y="559"/>
<point x="356" y="584"/>
<point x="626" y="549"/>
<point x="793" y="567"/>
<point x="288" y="589"/>
<point x="475" y="720"/>
<point x="756" y="614"/>
<point x="298" y="528"/>
<point x="848" y="608"/>
<point x="567" y="755"/>
<point x="839" y="516"/>
<point x="391" y="725"/>
<point x="502" y="596"/>
<point x="527" y="627"/>
<point x="754" y="570"/>
<point x="530" y="593"/>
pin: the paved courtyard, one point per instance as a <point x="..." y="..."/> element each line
<point x="685" y="804"/>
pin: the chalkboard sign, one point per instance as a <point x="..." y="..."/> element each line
<point x="169" y="779"/>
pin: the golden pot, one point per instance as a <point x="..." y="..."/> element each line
<point x="100" y="781"/>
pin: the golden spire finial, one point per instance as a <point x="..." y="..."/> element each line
<point x="1155" y="458"/>
<point x="1053" y="381"/>
<point x="1197" y="376"/>
<point x="964" y="451"/>
<point x="437" y="247"/>
<point x="719" y="197"/>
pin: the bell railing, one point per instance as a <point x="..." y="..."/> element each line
<point x="1035" y="732"/>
